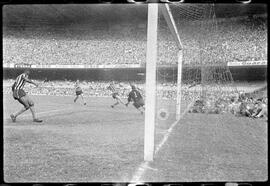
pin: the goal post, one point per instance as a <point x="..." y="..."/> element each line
<point x="166" y="12"/>
<point x="150" y="90"/>
<point x="151" y="67"/>
<point x="179" y="82"/>
<point x="205" y="79"/>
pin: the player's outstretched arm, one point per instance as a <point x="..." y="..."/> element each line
<point x="30" y="81"/>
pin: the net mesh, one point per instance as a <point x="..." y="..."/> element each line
<point x="206" y="78"/>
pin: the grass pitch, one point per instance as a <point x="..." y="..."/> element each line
<point x="95" y="143"/>
<point x="74" y="143"/>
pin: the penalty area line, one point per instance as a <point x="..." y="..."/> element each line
<point x="145" y="164"/>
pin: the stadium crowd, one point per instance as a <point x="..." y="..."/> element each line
<point x="240" y="104"/>
<point x="67" y="88"/>
<point x="242" y="39"/>
<point x="97" y="88"/>
<point x="237" y="103"/>
<point x="234" y="39"/>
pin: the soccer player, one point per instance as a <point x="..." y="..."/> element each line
<point x="20" y="95"/>
<point x="137" y="99"/>
<point x="115" y="95"/>
<point x="79" y="92"/>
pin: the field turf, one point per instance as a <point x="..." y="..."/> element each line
<point x="97" y="143"/>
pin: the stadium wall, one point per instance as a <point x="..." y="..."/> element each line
<point x="239" y="73"/>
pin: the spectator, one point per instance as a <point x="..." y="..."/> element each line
<point x="236" y="39"/>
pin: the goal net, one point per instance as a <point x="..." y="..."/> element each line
<point x="205" y="74"/>
<point x="206" y="81"/>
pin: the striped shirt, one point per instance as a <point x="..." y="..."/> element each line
<point x="20" y="81"/>
<point x="78" y="87"/>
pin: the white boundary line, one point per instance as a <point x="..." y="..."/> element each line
<point x="168" y="132"/>
<point x="145" y="164"/>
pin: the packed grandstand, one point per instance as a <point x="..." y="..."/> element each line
<point x="79" y="72"/>
<point x="239" y="39"/>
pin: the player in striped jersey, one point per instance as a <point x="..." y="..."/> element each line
<point x="79" y="92"/>
<point x="115" y="95"/>
<point x="20" y="95"/>
<point x="137" y="99"/>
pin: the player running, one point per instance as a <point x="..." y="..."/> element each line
<point x="115" y="95"/>
<point x="79" y="92"/>
<point x="20" y="95"/>
<point x="136" y="97"/>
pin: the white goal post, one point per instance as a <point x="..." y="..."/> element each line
<point x="151" y="63"/>
<point x="172" y="26"/>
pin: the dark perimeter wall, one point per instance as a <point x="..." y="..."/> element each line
<point x="254" y="73"/>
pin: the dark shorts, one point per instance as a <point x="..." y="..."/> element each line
<point x="115" y="95"/>
<point x="79" y="92"/>
<point x="139" y="103"/>
<point x="18" y="94"/>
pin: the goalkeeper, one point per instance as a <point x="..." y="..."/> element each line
<point x="137" y="99"/>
